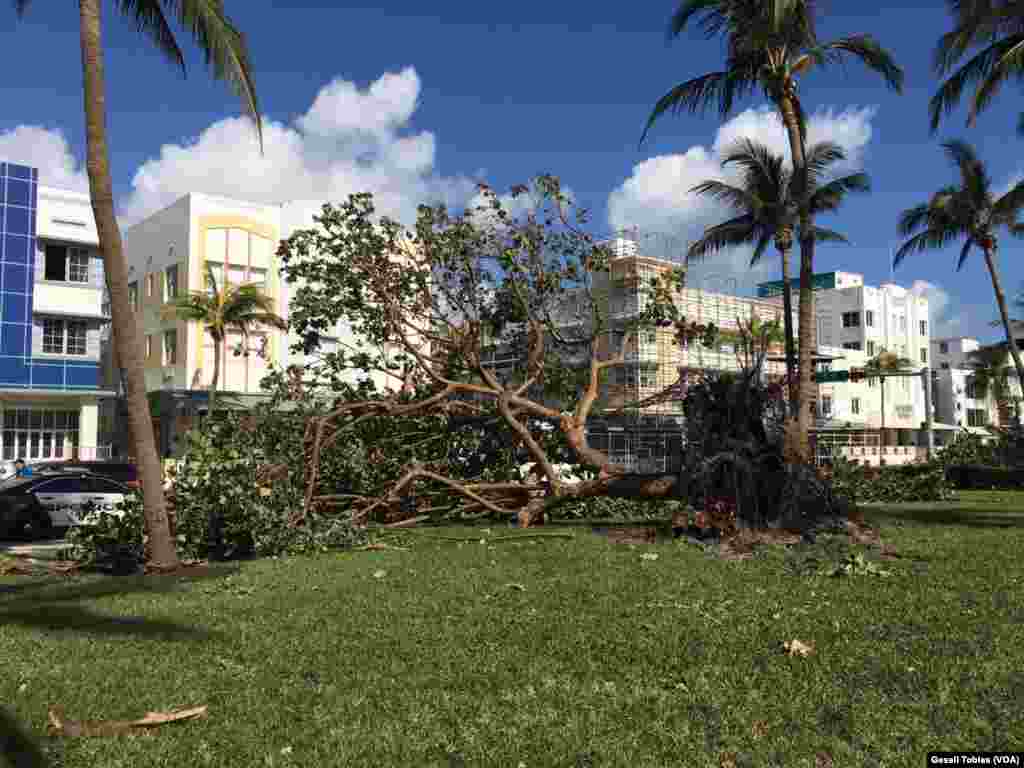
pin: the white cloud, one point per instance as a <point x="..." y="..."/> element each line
<point x="656" y="197"/>
<point x="46" y="150"/>
<point x="944" y="312"/>
<point x="350" y="140"/>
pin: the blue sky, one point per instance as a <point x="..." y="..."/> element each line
<point x="500" y="93"/>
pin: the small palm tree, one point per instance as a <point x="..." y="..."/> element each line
<point x="972" y="212"/>
<point x="767" y="212"/>
<point x="990" y="364"/>
<point x="770" y="45"/>
<point x="222" y="309"/>
<point x="996" y="27"/>
<point x="227" y="57"/>
<point x="883" y="363"/>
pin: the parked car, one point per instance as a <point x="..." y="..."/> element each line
<point x="120" y="471"/>
<point x="48" y="503"/>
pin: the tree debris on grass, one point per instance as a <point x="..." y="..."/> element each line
<point x="798" y="648"/>
<point x="59" y="725"/>
<point x="16" y="565"/>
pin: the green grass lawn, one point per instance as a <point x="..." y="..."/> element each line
<point x="554" y="652"/>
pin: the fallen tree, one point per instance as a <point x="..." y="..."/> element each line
<point x="493" y="318"/>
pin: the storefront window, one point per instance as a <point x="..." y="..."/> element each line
<point x="36" y="433"/>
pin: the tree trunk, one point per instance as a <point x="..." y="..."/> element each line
<point x="806" y="310"/>
<point x="881" y="383"/>
<point x="787" y="325"/>
<point x="1001" y="302"/>
<point x="218" y="343"/>
<point x="162" y="552"/>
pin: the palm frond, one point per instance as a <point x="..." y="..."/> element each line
<point x="760" y="249"/>
<point x="823" y="235"/>
<point x="830" y="196"/>
<point x="973" y="177"/>
<point x="1010" y="64"/>
<point x="150" y="21"/>
<point x="964" y="253"/>
<point x="735" y="197"/>
<point x="223" y="47"/>
<point x="930" y="239"/>
<point x="741" y="230"/>
<point x="712" y="22"/>
<point x="872" y="55"/>
<point x="975" y="70"/>
<point x="822" y="155"/>
<point x="694" y="95"/>
<point x="1009" y="205"/>
<point x="913" y="219"/>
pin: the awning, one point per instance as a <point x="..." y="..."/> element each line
<point x="939" y="426"/>
<point x="835" y="425"/>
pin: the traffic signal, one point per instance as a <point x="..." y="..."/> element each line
<point x="856" y="374"/>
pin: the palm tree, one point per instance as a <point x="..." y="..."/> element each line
<point x="226" y="55"/>
<point x="766" y="211"/>
<point x="769" y="46"/>
<point x="971" y="211"/>
<point x="222" y="309"/>
<point x="886" y="363"/>
<point x="990" y="364"/>
<point x="997" y="28"/>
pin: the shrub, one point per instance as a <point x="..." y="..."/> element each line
<point x="226" y="506"/>
<point x="968" y="448"/>
<point x="906" y="483"/>
<point x="973" y="476"/>
<point x="113" y="541"/>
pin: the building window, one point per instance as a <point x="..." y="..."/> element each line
<point x="258" y="278"/>
<point x="650" y="337"/>
<point x="53" y="336"/>
<point x="944" y="366"/>
<point x="903" y="322"/>
<point x="854" y="345"/>
<point x="924" y="354"/>
<point x="63" y="264"/>
<point x="38" y="434"/>
<point x="869" y="318"/>
<point x="133" y="295"/>
<point x="76" y="337"/>
<point x="826" y="405"/>
<point x="78" y="266"/>
<point x="976" y="417"/>
<point x="171" y="283"/>
<point x="851" y="319"/>
<point x="871" y="349"/>
<point x="872" y="381"/>
<point x="648" y="377"/>
<point x="923" y="326"/>
<point x="170" y="347"/>
<point x="64" y="337"/>
<point x="943" y="348"/>
<point x="971" y="388"/>
<point x="855" y="406"/>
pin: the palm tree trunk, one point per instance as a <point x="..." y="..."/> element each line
<point x="215" y="379"/>
<point x="162" y="552"/>
<point x="1001" y="302"/>
<point x="805" y="332"/>
<point x="787" y="325"/>
<point x="881" y="443"/>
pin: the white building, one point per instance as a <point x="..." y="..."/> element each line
<point x="170" y="254"/>
<point x="52" y="316"/>
<point x="855" y="322"/>
<point x="959" y="401"/>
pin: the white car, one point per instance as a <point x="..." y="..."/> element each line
<point x="45" y="503"/>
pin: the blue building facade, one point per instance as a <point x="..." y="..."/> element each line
<point x="19" y="367"/>
<point x="52" y="315"/>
